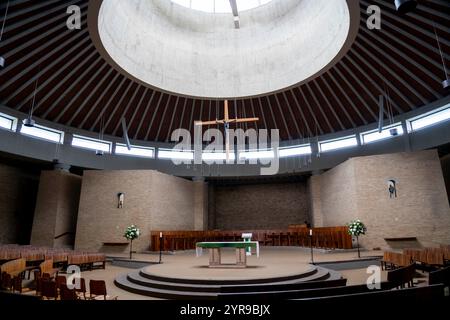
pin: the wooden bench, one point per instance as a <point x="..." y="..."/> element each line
<point x="46" y="267"/>
<point x="440" y="276"/>
<point x="87" y="260"/>
<point x="409" y="300"/>
<point x="393" y="260"/>
<point x="305" y="292"/>
<point x="326" y="237"/>
<point x="402" y="276"/>
<point x="12" y="273"/>
<point x="14" y="266"/>
<point x="429" y="257"/>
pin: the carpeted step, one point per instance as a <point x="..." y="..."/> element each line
<point x="311" y="272"/>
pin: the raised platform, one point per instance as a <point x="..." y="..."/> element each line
<point x="351" y="264"/>
<point x="190" y="278"/>
<point x="129" y="263"/>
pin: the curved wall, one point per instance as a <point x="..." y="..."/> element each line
<point x="15" y="143"/>
<point x="193" y="53"/>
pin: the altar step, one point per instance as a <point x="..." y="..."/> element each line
<point x="144" y="283"/>
<point x="312" y="272"/>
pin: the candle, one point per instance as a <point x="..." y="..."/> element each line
<point x="160" y="234"/>
<point x="310" y="232"/>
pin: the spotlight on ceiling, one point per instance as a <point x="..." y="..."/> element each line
<point x="2" y="62"/>
<point x="446" y="84"/>
<point x="393" y="132"/>
<point x="405" y="6"/>
<point x="60" y="166"/>
<point x="29" y="122"/>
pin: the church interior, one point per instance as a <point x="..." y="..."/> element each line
<point x="225" y="150"/>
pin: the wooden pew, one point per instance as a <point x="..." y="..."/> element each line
<point x="402" y="276"/>
<point x="46" y="267"/>
<point x="35" y="256"/>
<point x="14" y="267"/>
<point x="409" y="300"/>
<point x="327" y="237"/>
<point x="321" y="289"/>
<point x="12" y="273"/>
<point x="429" y="257"/>
<point x="393" y="260"/>
<point x="440" y="276"/>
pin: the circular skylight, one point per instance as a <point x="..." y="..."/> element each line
<point x="164" y="44"/>
<point x="220" y="6"/>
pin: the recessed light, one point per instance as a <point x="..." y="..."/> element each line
<point x="405" y="6"/>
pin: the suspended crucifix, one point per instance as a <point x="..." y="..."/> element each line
<point x="226" y="122"/>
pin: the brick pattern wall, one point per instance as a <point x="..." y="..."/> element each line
<point x="66" y="219"/>
<point x="200" y="205"/>
<point x="358" y="188"/>
<point x="56" y="209"/>
<point x="260" y="206"/>
<point x="445" y="162"/>
<point x="338" y="195"/>
<point x="153" y="201"/>
<point x="315" y="204"/>
<point x="44" y="222"/>
<point x="18" y="190"/>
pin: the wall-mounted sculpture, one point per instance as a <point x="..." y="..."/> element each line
<point x="392" y="187"/>
<point x="120" y="198"/>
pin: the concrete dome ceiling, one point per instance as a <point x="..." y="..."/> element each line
<point x="78" y="87"/>
<point x="194" y="53"/>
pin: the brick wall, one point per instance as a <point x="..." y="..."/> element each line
<point x="445" y="162"/>
<point x="153" y="201"/>
<point x="259" y="206"/>
<point x="56" y="209"/>
<point x="18" y="189"/>
<point x="358" y="188"/>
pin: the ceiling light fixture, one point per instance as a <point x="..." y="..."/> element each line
<point x="405" y="6"/>
<point x="446" y="82"/>
<point x="29" y="121"/>
<point x="390" y="111"/>
<point x="2" y="59"/>
<point x="381" y="114"/>
<point x="125" y="134"/>
<point x="100" y="136"/>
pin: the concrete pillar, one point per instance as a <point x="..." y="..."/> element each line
<point x="406" y="136"/>
<point x="315" y="201"/>
<point x="56" y="210"/>
<point x="211" y="207"/>
<point x="200" y="204"/>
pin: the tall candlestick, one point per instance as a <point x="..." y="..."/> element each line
<point x="160" y="246"/>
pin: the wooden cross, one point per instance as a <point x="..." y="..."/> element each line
<point x="226" y="121"/>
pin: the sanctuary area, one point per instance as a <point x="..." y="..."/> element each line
<point x="225" y="150"/>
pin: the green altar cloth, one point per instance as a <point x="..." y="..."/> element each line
<point x="231" y="244"/>
<point x="236" y="244"/>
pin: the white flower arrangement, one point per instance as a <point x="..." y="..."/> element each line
<point x="132" y="232"/>
<point x="356" y="228"/>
